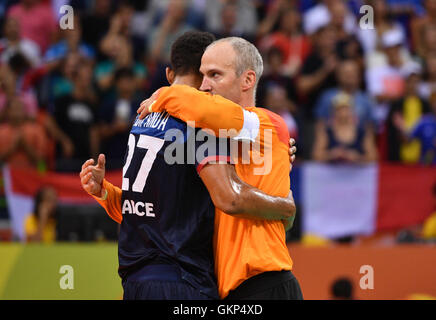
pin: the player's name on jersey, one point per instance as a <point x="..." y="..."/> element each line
<point x="155" y="120"/>
<point x="139" y="208"/>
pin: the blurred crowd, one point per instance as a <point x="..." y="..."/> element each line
<point x="350" y="87"/>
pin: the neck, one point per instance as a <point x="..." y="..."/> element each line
<point x="247" y="99"/>
<point x="189" y="80"/>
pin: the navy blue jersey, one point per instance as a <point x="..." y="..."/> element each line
<point x="168" y="215"/>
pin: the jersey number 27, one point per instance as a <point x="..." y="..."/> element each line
<point x="153" y="145"/>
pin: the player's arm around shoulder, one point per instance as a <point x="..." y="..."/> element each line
<point x="106" y="194"/>
<point x="205" y="110"/>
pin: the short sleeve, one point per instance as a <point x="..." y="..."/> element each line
<point x="210" y="149"/>
<point x="250" y="129"/>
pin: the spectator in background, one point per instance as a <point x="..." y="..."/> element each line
<point x="22" y="141"/>
<point x="372" y="39"/>
<point x="120" y="51"/>
<point x="343" y="140"/>
<point x="386" y="82"/>
<point x="342" y="289"/>
<point x="270" y="13"/>
<point x="119" y="30"/>
<point x="37" y="21"/>
<point x="318" y="71"/>
<point x="12" y="43"/>
<point x="228" y="26"/>
<point x="317" y="75"/>
<point x="404" y="114"/>
<point x="347" y="44"/>
<point x="246" y="17"/>
<point x="40" y="225"/>
<point x="428" y="85"/>
<point x="428" y="48"/>
<point x="162" y="37"/>
<point x="173" y="25"/>
<point x="428" y="231"/>
<point x="338" y="14"/>
<point x="7" y="87"/>
<point x="97" y="23"/>
<point x="195" y="11"/>
<point x="420" y="26"/>
<point x="116" y="116"/>
<point x="70" y="41"/>
<point x="276" y="90"/>
<point x="117" y="46"/>
<point x="349" y="77"/>
<point x="424" y="132"/>
<point x="19" y="71"/>
<point x="289" y="38"/>
<point x="321" y="14"/>
<point x="76" y="115"/>
<point x="60" y="80"/>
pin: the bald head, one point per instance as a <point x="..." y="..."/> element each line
<point x="247" y="57"/>
<point x="238" y="63"/>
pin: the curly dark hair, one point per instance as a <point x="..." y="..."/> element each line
<point x="187" y="50"/>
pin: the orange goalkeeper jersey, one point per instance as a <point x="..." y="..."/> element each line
<point x="243" y="247"/>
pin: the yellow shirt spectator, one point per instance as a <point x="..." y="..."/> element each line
<point x="48" y="234"/>
<point x="429" y="228"/>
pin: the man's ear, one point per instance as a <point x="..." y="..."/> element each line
<point x="170" y="75"/>
<point x="249" y="80"/>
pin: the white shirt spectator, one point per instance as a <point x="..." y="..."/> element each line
<point x="246" y="21"/>
<point x="29" y="49"/>
<point x="319" y="15"/>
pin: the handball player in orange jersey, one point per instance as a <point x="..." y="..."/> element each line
<point x="252" y="260"/>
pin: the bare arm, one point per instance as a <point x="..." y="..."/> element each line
<point x="237" y="198"/>
<point x="307" y="83"/>
<point x="59" y="136"/>
<point x="369" y="147"/>
<point x="319" y="152"/>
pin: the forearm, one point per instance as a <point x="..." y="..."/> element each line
<point x="310" y="82"/>
<point x="205" y="110"/>
<point x="33" y="155"/>
<point x="55" y="132"/>
<point x="156" y="50"/>
<point x="253" y="203"/>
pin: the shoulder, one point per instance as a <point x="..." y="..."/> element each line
<point x="276" y="121"/>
